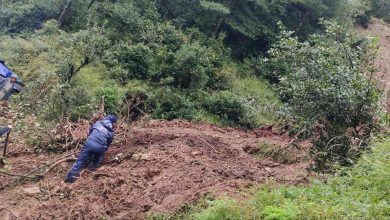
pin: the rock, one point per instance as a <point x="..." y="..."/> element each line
<point x="32" y="190"/>
<point x="141" y="156"/>
<point x="119" y="157"/>
<point x="196" y="153"/>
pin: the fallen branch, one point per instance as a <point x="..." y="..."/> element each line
<point x="120" y="124"/>
<point x="33" y="176"/>
<point x="97" y="175"/>
<point x="12" y="174"/>
<point x="207" y="143"/>
<point x="6" y="143"/>
<point x="56" y="164"/>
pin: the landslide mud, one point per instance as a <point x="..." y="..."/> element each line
<point x="153" y="166"/>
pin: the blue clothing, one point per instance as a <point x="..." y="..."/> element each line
<point x="5" y="90"/>
<point x="3" y="81"/>
<point x="5" y="72"/>
<point x="3" y="130"/>
<point x="99" y="139"/>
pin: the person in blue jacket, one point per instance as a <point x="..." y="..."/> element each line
<point x="99" y="139"/>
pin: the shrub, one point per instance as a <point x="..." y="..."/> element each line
<point x="192" y="66"/>
<point x="169" y="104"/>
<point x="78" y="103"/>
<point x="110" y="97"/>
<point x="230" y="108"/>
<point x="277" y="213"/>
<point x="133" y="60"/>
<point x="326" y="84"/>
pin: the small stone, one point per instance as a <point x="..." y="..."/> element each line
<point x="119" y="157"/>
<point x="196" y="153"/>
<point x="141" y="156"/>
<point x="145" y="157"/>
<point x="57" y="189"/>
<point x="32" y="190"/>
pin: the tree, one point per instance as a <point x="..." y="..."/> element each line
<point x="328" y="89"/>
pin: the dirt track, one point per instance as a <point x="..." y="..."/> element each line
<point x="164" y="165"/>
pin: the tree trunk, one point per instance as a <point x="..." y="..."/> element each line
<point x="91" y="3"/>
<point x="216" y="30"/>
<point x="6" y="143"/>
<point x="64" y="12"/>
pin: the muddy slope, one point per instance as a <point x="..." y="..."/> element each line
<point x="153" y="166"/>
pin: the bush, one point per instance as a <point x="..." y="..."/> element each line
<point x="230" y="108"/>
<point x="133" y="60"/>
<point x="192" y="66"/>
<point x="381" y="8"/>
<point x="169" y="104"/>
<point x="78" y="103"/>
<point x="111" y="98"/>
<point x="326" y="84"/>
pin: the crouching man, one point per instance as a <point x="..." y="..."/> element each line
<point x="99" y="139"/>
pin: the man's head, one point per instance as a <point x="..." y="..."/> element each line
<point x="13" y="79"/>
<point x="111" y="118"/>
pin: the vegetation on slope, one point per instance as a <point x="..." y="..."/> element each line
<point x="235" y="63"/>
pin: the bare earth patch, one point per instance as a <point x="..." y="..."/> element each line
<point x="153" y="166"/>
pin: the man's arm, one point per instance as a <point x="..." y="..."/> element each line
<point x="110" y="138"/>
<point x="2" y="81"/>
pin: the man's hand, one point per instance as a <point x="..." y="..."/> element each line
<point x="10" y="126"/>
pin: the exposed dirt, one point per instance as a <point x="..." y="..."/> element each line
<point x="153" y="166"/>
<point x="381" y="30"/>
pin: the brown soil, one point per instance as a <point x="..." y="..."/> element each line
<point x="154" y="166"/>
<point x="381" y="30"/>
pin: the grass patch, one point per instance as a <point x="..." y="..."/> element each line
<point x="261" y="99"/>
<point x="286" y="154"/>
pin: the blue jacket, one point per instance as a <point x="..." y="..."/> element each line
<point x="5" y="72"/>
<point x="3" y="81"/>
<point x="3" y="130"/>
<point x="100" y="134"/>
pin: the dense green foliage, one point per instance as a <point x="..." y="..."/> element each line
<point x="326" y="86"/>
<point x="197" y="60"/>
<point x="358" y="193"/>
<point x="381" y="9"/>
<point x="114" y="44"/>
<point x="251" y="26"/>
